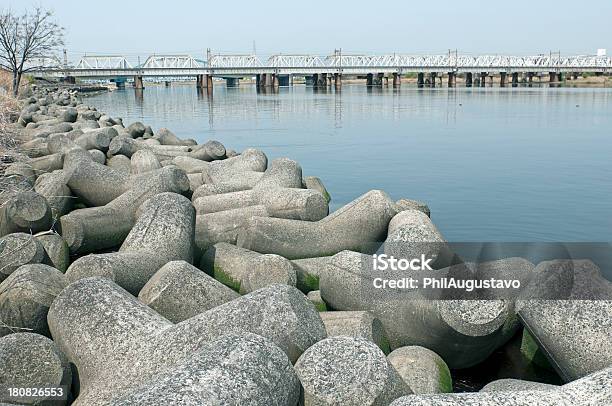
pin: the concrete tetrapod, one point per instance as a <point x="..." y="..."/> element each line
<point x="29" y="360"/>
<point x="19" y="249"/>
<point x="356" y="324"/>
<point x="251" y="160"/>
<point x="119" y="344"/>
<point x="573" y="330"/>
<point x="462" y="332"/>
<point x="97" y="228"/>
<point x="422" y="370"/>
<point x="348" y="371"/>
<point x="25" y="297"/>
<point x="96" y="184"/>
<point x="592" y="390"/>
<point x="25" y="212"/>
<point x="144" y="161"/>
<point x="179" y="291"/>
<point x="52" y="186"/>
<point x="244" y="270"/>
<point x="360" y="225"/>
<point x="163" y="233"/>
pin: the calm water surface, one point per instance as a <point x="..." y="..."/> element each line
<point x="513" y="164"/>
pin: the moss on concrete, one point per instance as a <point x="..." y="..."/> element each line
<point x="225" y="279"/>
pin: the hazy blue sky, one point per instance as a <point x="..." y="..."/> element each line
<point x="142" y="27"/>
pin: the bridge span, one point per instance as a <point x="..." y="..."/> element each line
<point x="278" y="70"/>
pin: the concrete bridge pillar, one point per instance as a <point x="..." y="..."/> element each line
<point x="309" y="80"/>
<point x="397" y="80"/>
<point x="138" y="84"/>
<point x="530" y="77"/>
<point x="275" y="83"/>
<point x="483" y="79"/>
<point x="433" y="76"/>
<point x="502" y="79"/>
<point x="337" y="80"/>
<point x="469" y="79"/>
<point x="385" y="80"/>
<point x="284" y="80"/>
<point x="452" y="79"/>
<point x="552" y="77"/>
<point x="370" y="79"/>
<point x="232" y="82"/>
<point x="420" y="79"/>
<point x="560" y="77"/>
<point x="167" y="83"/>
<point x="315" y="80"/>
<point x="515" y="79"/>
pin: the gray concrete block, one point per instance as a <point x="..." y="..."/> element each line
<point x="144" y="161"/>
<point x="348" y="371"/>
<point x="572" y="330"/>
<point x="25" y="297"/>
<point x="53" y="187"/>
<point x="97" y="228"/>
<point x="408" y="204"/>
<point x="19" y="249"/>
<point x="26" y="212"/>
<point x="56" y="249"/>
<point x="359" y="226"/>
<point x="119" y="344"/>
<point x="356" y="324"/>
<point x="422" y="370"/>
<point x="30" y="360"/>
<point x="179" y="291"/>
<point x="163" y="233"/>
<point x="246" y="271"/>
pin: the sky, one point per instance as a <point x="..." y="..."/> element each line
<point x="139" y="28"/>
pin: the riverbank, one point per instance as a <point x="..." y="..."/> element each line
<point x="182" y="267"/>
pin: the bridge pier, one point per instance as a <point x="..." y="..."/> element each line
<point x="138" y="84"/>
<point x="420" y="79"/>
<point x="232" y="82"/>
<point x="552" y="77"/>
<point x="515" y="79"/>
<point x="275" y="83"/>
<point x="469" y="80"/>
<point x="483" y="79"/>
<point x="530" y="77"/>
<point x="432" y="77"/>
<point x="338" y="81"/>
<point x="397" y="80"/>
<point x="309" y="80"/>
<point x="284" y="80"/>
<point x="502" y="79"/>
<point x="167" y="83"/>
<point x="452" y="79"/>
<point x="560" y="77"/>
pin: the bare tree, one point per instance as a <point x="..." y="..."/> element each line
<point x="27" y="40"/>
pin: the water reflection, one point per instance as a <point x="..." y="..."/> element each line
<point x="511" y="164"/>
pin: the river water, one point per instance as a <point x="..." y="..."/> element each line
<point x="493" y="164"/>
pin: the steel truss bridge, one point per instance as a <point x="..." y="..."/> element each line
<point x="109" y="66"/>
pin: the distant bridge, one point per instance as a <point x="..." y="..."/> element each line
<point x="324" y="68"/>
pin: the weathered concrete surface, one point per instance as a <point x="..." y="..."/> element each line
<point x="308" y="271"/>
<point x="422" y="370"/>
<point x="26" y="212"/>
<point x="356" y="372"/>
<point x="356" y="324"/>
<point x="163" y="233"/>
<point x="244" y="270"/>
<point x="592" y="390"/>
<point x="408" y="204"/>
<point x="52" y="186"/>
<point x="144" y="161"/>
<point x="30" y="360"/>
<point x="119" y="344"/>
<point x="357" y="226"/>
<point x="56" y="249"/>
<point x="574" y="331"/>
<point x="25" y="297"/>
<point x="462" y="332"/>
<point x="19" y="249"/>
<point x="98" y="228"/>
<point x="179" y="291"/>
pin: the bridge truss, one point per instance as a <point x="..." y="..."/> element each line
<point x="219" y="65"/>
